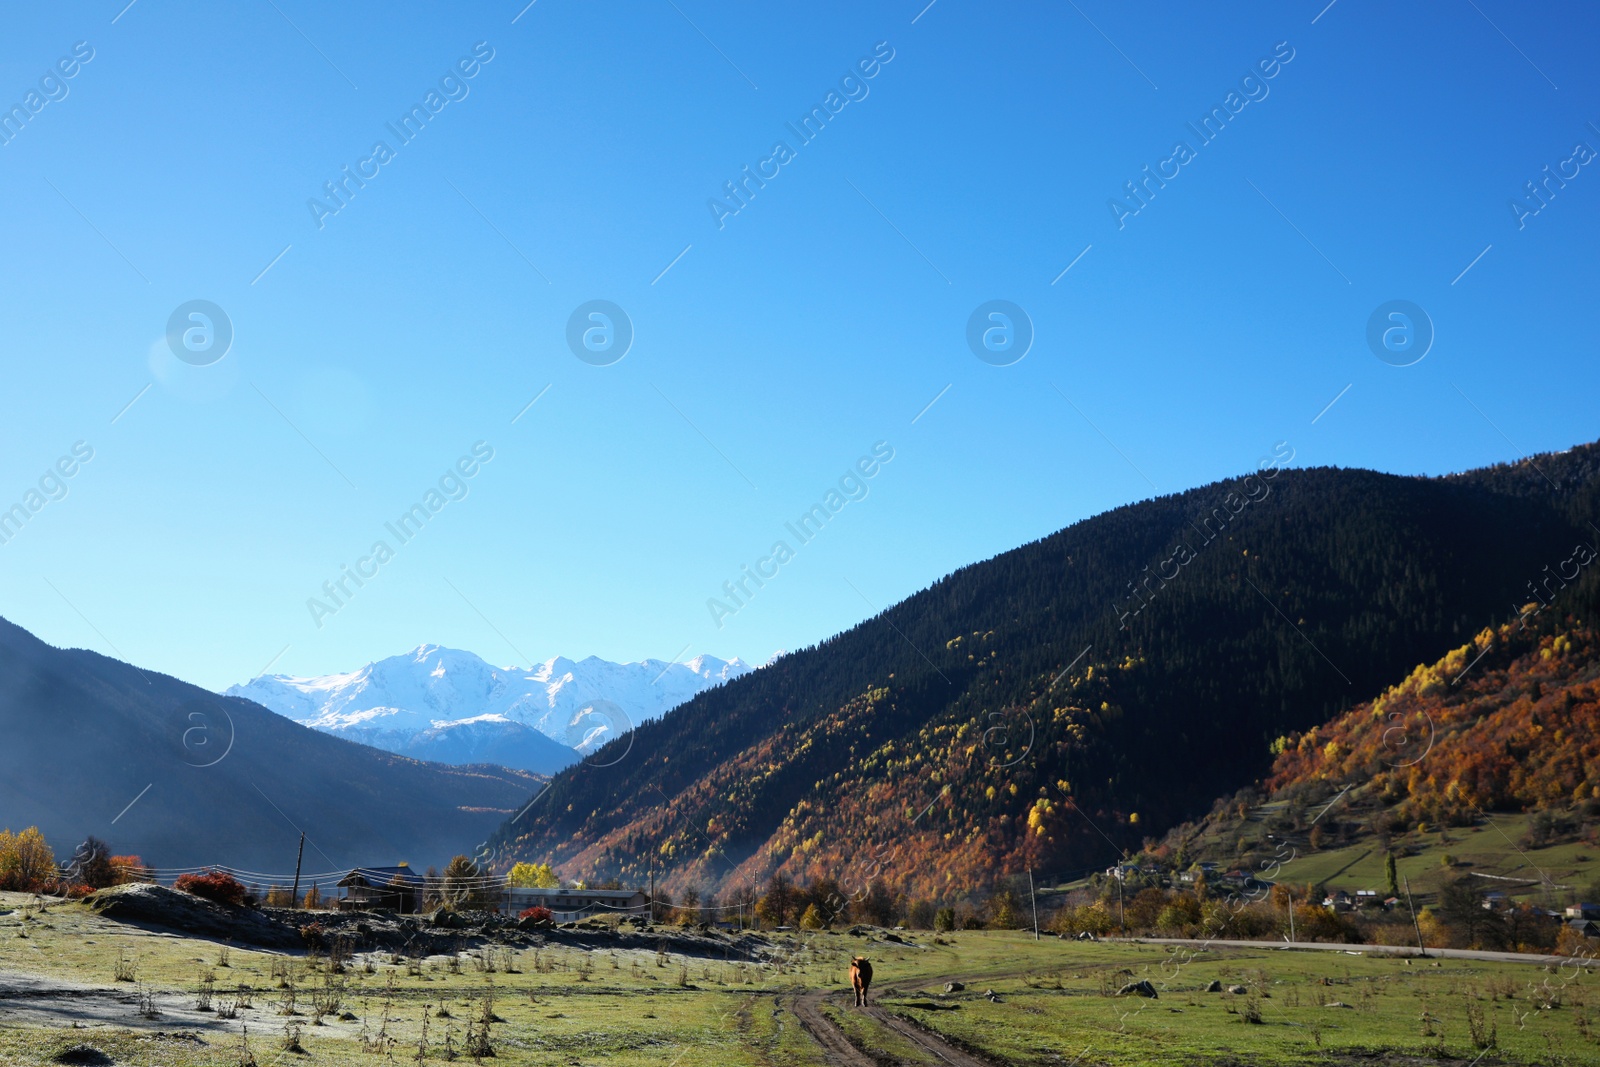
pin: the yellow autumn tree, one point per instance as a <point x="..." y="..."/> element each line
<point x="533" y="876"/>
<point x="26" y="860"/>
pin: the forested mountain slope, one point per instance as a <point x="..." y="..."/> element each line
<point x="1064" y="700"/>
<point x="1508" y="722"/>
<point x="1483" y="765"/>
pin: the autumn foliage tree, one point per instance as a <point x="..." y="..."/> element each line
<point x="533" y="876"/>
<point x="26" y="861"/>
<point x="777" y="905"/>
<point x="688" y="910"/>
<point x="218" y="886"/>
<point x="463" y="884"/>
<point x="126" y="869"/>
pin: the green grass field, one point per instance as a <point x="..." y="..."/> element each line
<point x="1487" y="849"/>
<point x="564" y="1006"/>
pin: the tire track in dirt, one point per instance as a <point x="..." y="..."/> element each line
<point x="927" y="1041"/>
<point x="836" y="1048"/>
<point x="840" y="1052"/>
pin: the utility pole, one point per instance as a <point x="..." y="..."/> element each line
<point x="652" y="891"/>
<point x="1421" y="948"/>
<point x="1122" y="926"/>
<point x="294" y="894"/>
<point x="1291" y="915"/>
<point x="1033" y="897"/>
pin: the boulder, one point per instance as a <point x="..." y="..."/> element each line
<point x="1213" y="986"/>
<point x="1141" y="988"/>
<point x="953" y="987"/>
<point x="1238" y="990"/>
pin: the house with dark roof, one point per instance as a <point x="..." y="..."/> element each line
<point x="396" y="888"/>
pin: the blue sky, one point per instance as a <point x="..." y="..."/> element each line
<point x="578" y="163"/>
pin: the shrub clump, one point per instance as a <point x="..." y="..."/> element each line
<point x="219" y="886"/>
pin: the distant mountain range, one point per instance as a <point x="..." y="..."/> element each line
<point x="451" y="706"/>
<point x="184" y="777"/>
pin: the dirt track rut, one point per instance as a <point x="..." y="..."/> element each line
<point x="838" y="1050"/>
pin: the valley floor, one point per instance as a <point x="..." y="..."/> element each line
<point x="1024" y="1002"/>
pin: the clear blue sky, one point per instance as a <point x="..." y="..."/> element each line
<point x="823" y="317"/>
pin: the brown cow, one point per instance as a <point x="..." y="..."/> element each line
<point x="860" y="978"/>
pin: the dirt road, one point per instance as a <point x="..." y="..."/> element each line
<point x="807" y="1007"/>
<point x="840" y="1052"/>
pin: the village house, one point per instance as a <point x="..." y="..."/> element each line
<point x="396" y="888"/>
<point x="1585" y="927"/>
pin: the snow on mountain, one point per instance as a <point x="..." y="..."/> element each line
<point x="453" y="707"/>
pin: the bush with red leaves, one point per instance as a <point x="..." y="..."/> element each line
<point x="55" y="887"/>
<point x="219" y="886"/>
<point x="538" y="913"/>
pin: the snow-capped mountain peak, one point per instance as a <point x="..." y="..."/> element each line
<point x="447" y="704"/>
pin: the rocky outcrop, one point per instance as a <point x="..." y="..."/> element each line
<point x="156" y="905"/>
